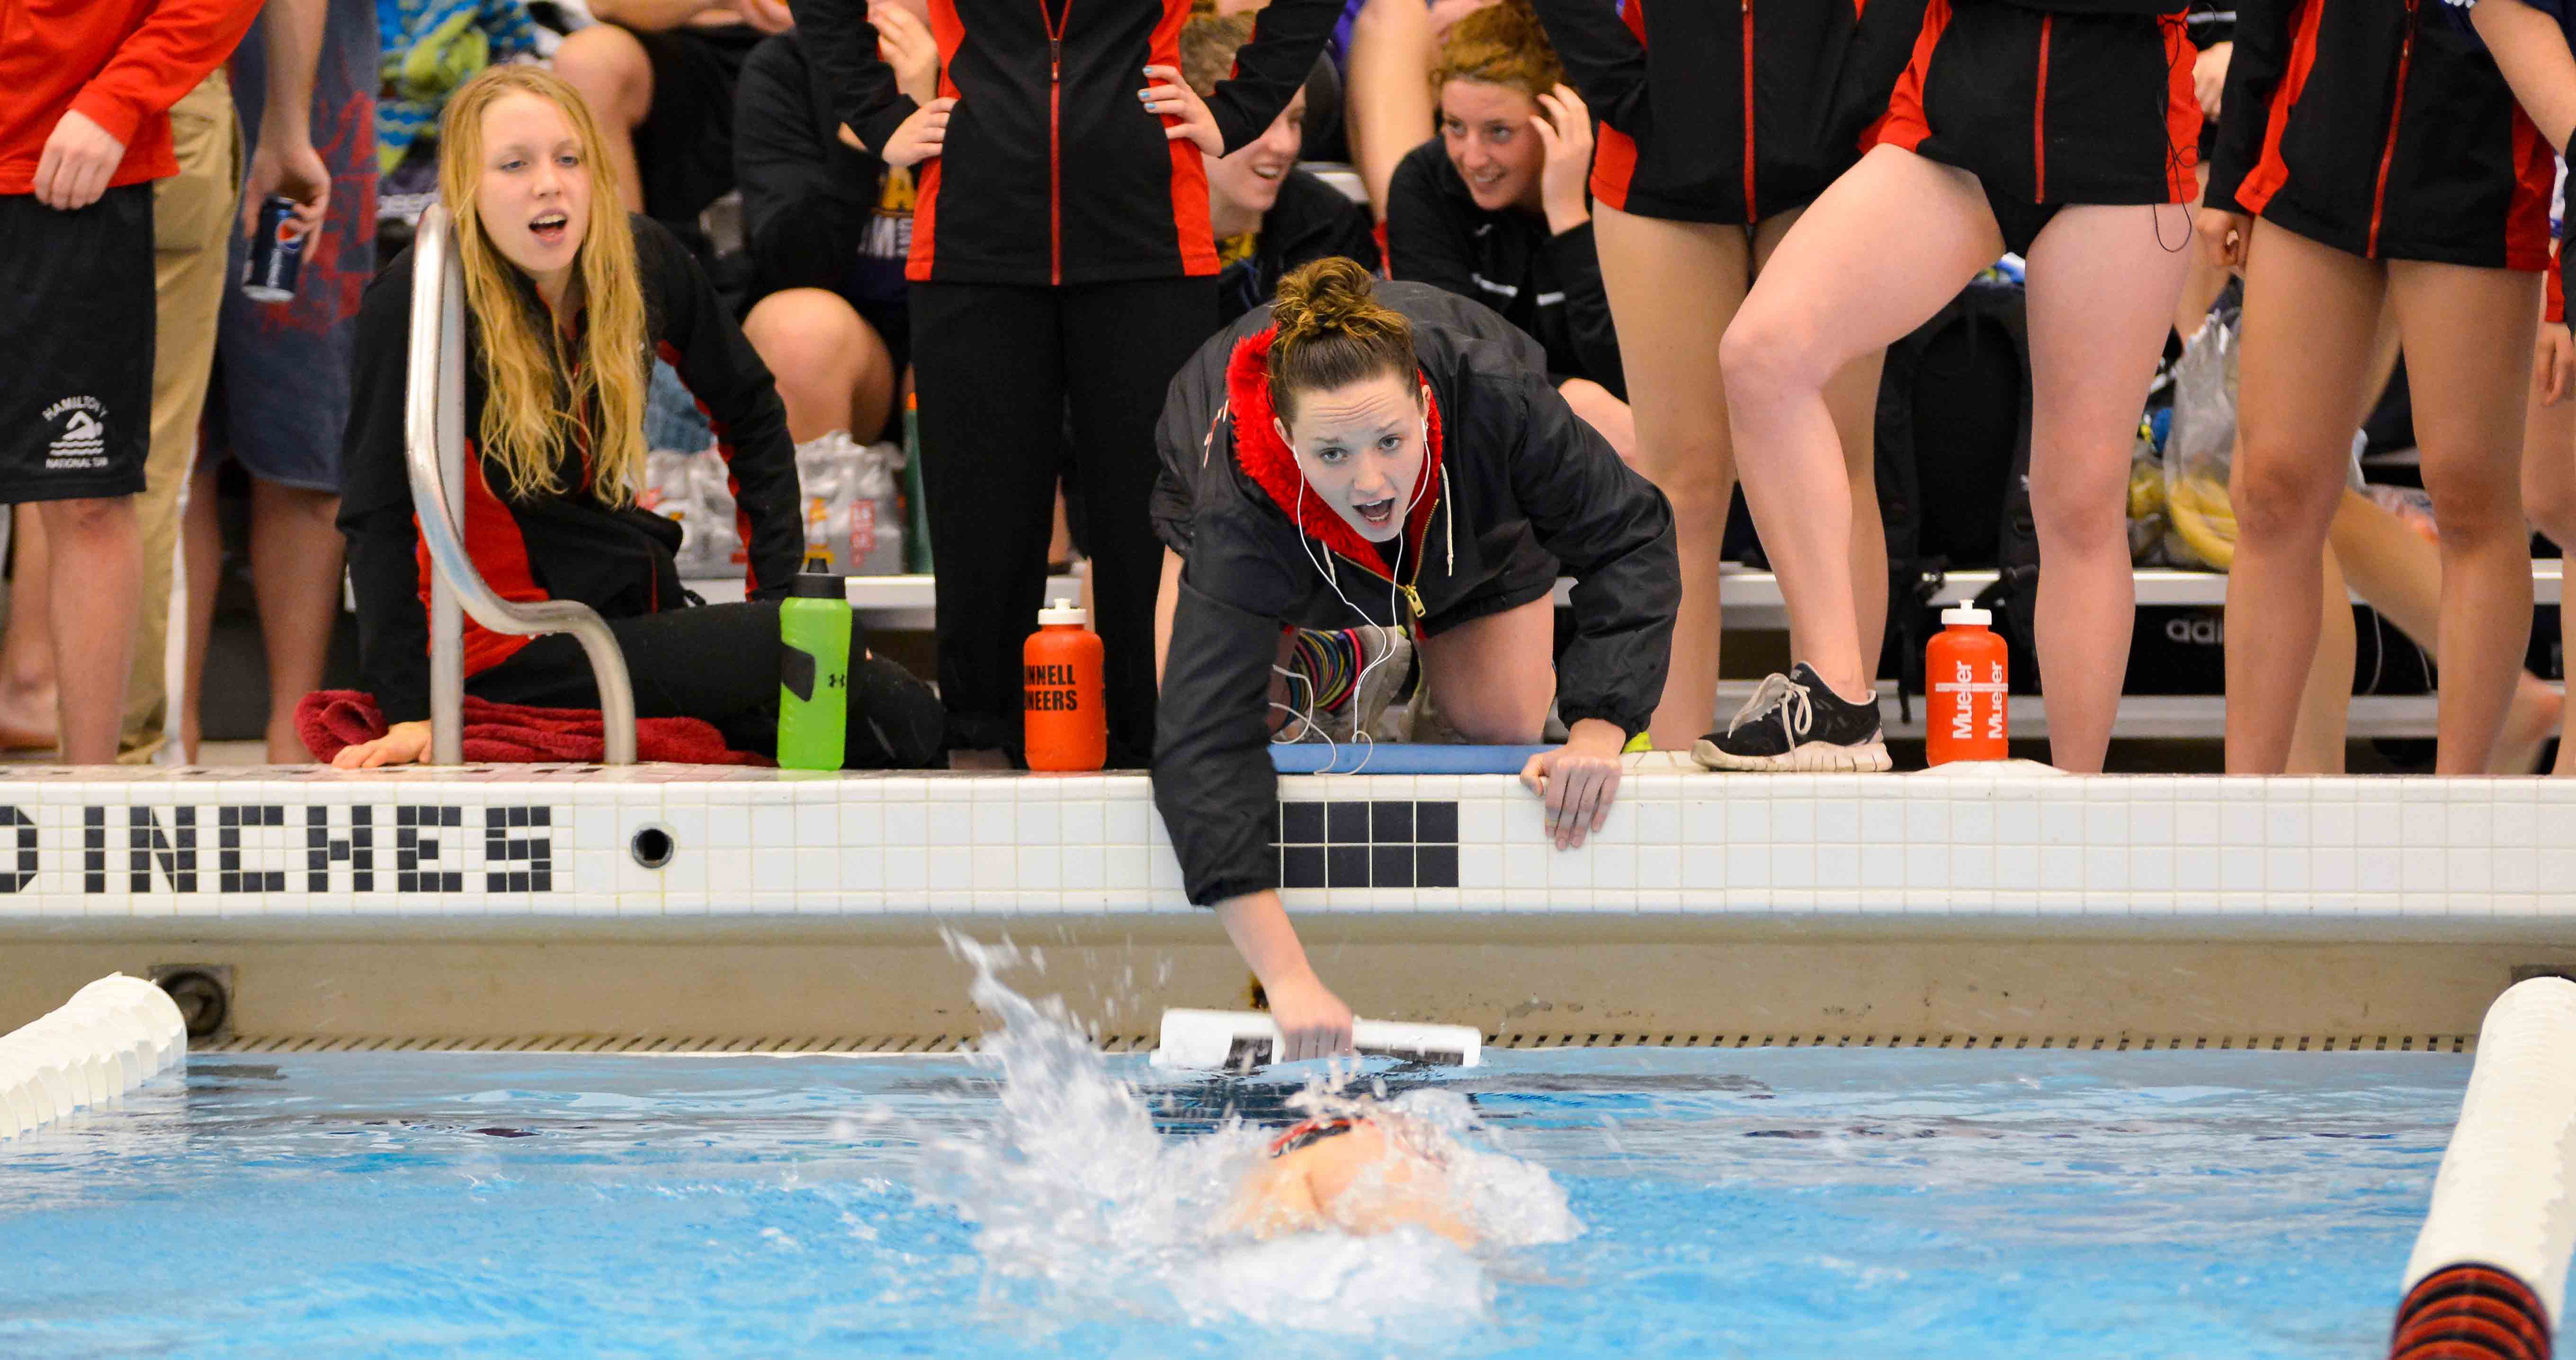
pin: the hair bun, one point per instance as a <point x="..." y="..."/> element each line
<point x="1329" y="296"/>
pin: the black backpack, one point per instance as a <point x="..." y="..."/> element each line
<point x="1953" y="468"/>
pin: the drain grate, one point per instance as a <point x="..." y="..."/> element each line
<point x="924" y="1044"/>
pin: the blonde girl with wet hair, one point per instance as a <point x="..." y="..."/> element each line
<point x="1346" y="461"/>
<point x="567" y="300"/>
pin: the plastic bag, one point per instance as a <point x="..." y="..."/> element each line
<point x="852" y="502"/>
<point x="2200" y="520"/>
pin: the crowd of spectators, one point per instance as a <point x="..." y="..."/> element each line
<point x="784" y="145"/>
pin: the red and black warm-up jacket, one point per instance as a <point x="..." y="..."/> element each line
<point x="1728" y="110"/>
<point x="2383" y="129"/>
<point x="1052" y="172"/>
<point x="567" y="546"/>
<point x="1515" y="491"/>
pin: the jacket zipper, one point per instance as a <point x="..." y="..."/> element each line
<point x="2388" y="152"/>
<point x="2039" y="115"/>
<point x="1055" y="26"/>
<point x="1752" y="214"/>
<point x="1409" y="589"/>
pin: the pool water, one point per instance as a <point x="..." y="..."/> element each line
<point x="1775" y="1203"/>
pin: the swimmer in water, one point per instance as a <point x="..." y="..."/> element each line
<point x="1362" y="1173"/>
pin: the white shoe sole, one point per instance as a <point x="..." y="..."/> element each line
<point x="1820" y="757"/>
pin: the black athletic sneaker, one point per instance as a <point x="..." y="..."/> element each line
<point x="1797" y="722"/>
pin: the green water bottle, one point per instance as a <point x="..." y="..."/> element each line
<point x="813" y="670"/>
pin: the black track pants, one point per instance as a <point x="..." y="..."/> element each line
<point x="998" y="369"/>
<point x="719" y="662"/>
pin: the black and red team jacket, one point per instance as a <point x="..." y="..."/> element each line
<point x="1728" y="110"/>
<point x="1515" y="490"/>
<point x="568" y="546"/>
<point x="2383" y="129"/>
<point x="1052" y="172"/>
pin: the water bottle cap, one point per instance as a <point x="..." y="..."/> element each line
<point x="1966" y="614"/>
<point x="816" y="582"/>
<point x="1061" y="613"/>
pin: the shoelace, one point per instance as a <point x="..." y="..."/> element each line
<point x="1780" y="694"/>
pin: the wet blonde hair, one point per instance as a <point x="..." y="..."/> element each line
<point x="537" y="388"/>
<point x="1332" y="332"/>
<point x="1501" y="44"/>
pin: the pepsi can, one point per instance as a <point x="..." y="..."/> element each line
<point x="276" y="253"/>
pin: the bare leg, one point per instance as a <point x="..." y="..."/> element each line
<point x="201" y="539"/>
<point x="1390" y="89"/>
<point x="1606" y="414"/>
<point x="1890" y="243"/>
<point x="2103" y="281"/>
<point x="2203" y="281"/>
<point x="1852" y="398"/>
<point x="27" y="718"/>
<point x="609" y="67"/>
<point x="1167" y="597"/>
<point x="2310" y="314"/>
<point x="2325" y="706"/>
<point x="2469" y="340"/>
<point x="1673" y="287"/>
<point x="97" y="548"/>
<point x="295" y="571"/>
<point x="2549" y="498"/>
<point x="833" y="369"/>
<point x="1491" y="677"/>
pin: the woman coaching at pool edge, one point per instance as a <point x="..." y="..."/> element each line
<point x="1406" y="473"/>
<point x="567" y="297"/>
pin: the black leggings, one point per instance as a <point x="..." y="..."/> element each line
<point x="997" y="368"/>
<point x="719" y="662"/>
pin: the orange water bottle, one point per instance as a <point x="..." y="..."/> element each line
<point x="1067" y="728"/>
<point x="1965" y="670"/>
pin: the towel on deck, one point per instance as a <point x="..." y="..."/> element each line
<point x="332" y="720"/>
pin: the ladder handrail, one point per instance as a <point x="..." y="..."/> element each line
<point x="434" y="450"/>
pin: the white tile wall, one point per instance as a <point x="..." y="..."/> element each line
<point x="1977" y="843"/>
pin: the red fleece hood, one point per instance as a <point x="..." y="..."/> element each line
<point x="1269" y="462"/>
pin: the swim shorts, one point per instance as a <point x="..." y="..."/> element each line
<point x="2049" y="110"/>
<point x="76" y="321"/>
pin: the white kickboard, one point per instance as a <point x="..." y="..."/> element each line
<point x="1240" y="1040"/>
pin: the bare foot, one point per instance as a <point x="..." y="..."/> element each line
<point x="2528" y="725"/>
<point x="27" y="720"/>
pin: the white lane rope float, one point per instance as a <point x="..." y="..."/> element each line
<point x="113" y="1035"/>
<point x="2489" y="1273"/>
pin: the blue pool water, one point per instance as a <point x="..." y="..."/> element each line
<point x="1775" y="1203"/>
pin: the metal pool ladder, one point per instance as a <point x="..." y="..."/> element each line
<point x="434" y="449"/>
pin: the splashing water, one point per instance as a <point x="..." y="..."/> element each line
<point x="1083" y="1209"/>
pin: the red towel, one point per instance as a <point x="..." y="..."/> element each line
<point x="331" y="720"/>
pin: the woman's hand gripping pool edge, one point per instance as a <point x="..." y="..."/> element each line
<point x="1579" y="781"/>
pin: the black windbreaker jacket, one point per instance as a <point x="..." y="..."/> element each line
<point x="1547" y="283"/>
<point x="1052" y="172"/>
<point x="569" y="546"/>
<point x="1520" y="490"/>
